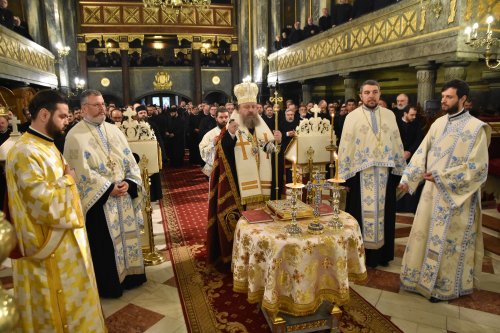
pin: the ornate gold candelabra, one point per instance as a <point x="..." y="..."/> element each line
<point x="151" y="256"/>
<point x="9" y="316"/>
<point x="293" y="228"/>
<point x="316" y="184"/>
<point x="488" y="42"/>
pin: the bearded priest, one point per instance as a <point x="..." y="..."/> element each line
<point x="242" y="172"/>
<point x="371" y="159"/>
<point x="111" y="190"/>
<point x="444" y="254"/>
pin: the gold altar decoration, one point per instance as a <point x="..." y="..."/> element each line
<point x="151" y="256"/>
<point x="294" y="275"/>
<point x="177" y="4"/>
<point x="311" y="134"/>
<point x="9" y="316"/>
<point x="283" y="208"/>
<point x="142" y="141"/>
<point x="489" y="42"/>
<point x="162" y="81"/>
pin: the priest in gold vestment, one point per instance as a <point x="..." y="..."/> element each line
<point x="444" y="253"/>
<point x="242" y="171"/>
<point x="54" y="283"/>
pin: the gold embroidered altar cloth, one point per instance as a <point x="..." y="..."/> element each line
<point x="295" y="274"/>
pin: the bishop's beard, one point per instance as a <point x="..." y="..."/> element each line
<point x="251" y="121"/>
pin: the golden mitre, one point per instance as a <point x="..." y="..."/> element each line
<point x="246" y="92"/>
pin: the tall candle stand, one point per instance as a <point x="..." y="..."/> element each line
<point x="335" y="222"/>
<point x="296" y="188"/>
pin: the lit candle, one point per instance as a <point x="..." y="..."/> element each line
<point x="336" y="165"/>
<point x="294" y="172"/>
<point x="475" y="26"/>
<point x="332" y="115"/>
<point x="468" y="32"/>
<point x="489" y="21"/>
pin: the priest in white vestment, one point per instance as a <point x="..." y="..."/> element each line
<point x="371" y="159"/>
<point x="242" y="172"/>
<point x="110" y="186"/>
<point x="207" y="144"/>
<point x="444" y="253"/>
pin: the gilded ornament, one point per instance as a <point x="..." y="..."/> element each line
<point x="453" y="11"/>
<point x="105" y="82"/>
<point x="215" y="80"/>
<point x="9" y="316"/>
<point x="162" y="81"/>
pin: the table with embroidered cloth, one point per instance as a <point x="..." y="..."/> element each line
<point x="295" y="274"/>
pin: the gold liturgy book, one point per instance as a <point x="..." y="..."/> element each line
<point x="283" y="209"/>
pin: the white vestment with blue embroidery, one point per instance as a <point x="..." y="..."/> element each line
<point x="370" y="145"/>
<point x="123" y="214"/>
<point x="444" y="252"/>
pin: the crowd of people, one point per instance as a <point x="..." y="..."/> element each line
<point x="11" y="21"/>
<point x="340" y="13"/>
<point x="148" y="59"/>
<point x="74" y="168"/>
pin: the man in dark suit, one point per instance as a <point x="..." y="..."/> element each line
<point x="411" y="135"/>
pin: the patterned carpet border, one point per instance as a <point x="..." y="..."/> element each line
<point x="208" y="301"/>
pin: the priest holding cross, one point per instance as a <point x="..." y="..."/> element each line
<point x="242" y="173"/>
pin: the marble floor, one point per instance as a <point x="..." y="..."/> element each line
<point x="155" y="306"/>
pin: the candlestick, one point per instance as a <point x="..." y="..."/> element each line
<point x="293" y="228"/>
<point x="332" y="115"/>
<point x="336" y="165"/>
<point x="294" y="175"/>
<point x="475" y="26"/>
<point x="335" y="222"/>
<point x="467" y="33"/>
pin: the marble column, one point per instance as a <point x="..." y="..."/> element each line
<point x="82" y="58"/>
<point x="196" y="56"/>
<point x="124" y="46"/>
<point x="455" y="70"/>
<point x="244" y="37"/>
<point x="493" y="79"/>
<point x="235" y="63"/>
<point x="426" y="78"/>
<point x="306" y="92"/>
<point x="350" y="88"/>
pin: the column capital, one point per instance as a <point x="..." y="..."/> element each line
<point x="82" y="47"/>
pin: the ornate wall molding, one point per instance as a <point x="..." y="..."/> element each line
<point x="132" y="16"/>
<point x="24" y="53"/>
<point x="405" y="33"/>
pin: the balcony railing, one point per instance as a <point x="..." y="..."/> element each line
<point x="25" y="61"/>
<point x="133" y="17"/>
<point x="411" y="32"/>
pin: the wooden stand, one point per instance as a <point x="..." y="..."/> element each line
<point x="325" y="318"/>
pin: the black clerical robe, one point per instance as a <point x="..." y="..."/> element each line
<point x="103" y="252"/>
<point x="194" y="138"/>
<point x="325" y="23"/>
<point x="310" y="30"/>
<point x="341" y="13"/>
<point x="362" y="7"/>
<point x="175" y="143"/>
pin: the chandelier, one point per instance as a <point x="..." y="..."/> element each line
<point x="177" y="4"/>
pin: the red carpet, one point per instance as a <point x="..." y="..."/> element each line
<point x="207" y="296"/>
